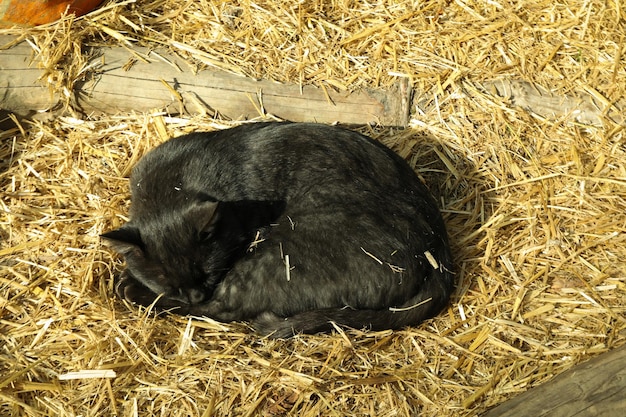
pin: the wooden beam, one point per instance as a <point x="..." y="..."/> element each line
<point x="140" y="79"/>
<point x="588" y="107"/>
<point x="123" y="80"/>
<point x="593" y="388"/>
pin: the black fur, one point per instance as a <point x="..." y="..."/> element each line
<point x="217" y="220"/>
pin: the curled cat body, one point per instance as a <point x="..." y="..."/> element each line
<point x="290" y="226"/>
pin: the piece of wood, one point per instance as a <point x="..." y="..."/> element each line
<point x="143" y="80"/>
<point x="123" y="80"/>
<point x="594" y="388"/>
<point x="588" y="108"/>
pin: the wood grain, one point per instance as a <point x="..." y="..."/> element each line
<point x="594" y="388"/>
<point x="121" y="80"/>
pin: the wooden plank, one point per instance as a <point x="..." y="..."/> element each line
<point x="123" y="80"/>
<point x="594" y="388"/>
<point x="20" y="89"/>
<point x="588" y="107"/>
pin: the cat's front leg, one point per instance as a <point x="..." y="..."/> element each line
<point x="216" y="310"/>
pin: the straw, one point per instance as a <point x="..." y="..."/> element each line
<point x="535" y="208"/>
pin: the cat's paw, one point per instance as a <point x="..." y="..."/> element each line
<point x="269" y="324"/>
<point x="131" y="290"/>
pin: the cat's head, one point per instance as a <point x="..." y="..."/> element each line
<point x="176" y="254"/>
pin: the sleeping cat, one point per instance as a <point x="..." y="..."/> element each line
<point x="291" y="226"/>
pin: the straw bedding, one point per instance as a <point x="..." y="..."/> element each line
<point x="536" y="211"/>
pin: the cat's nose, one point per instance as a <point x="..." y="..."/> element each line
<point x="195" y="296"/>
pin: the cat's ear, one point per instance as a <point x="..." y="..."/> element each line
<point x="204" y="215"/>
<point x="125" y="239"/>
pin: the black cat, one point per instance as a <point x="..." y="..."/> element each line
<point x="291" y="226"/>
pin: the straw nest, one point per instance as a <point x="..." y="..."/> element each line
<point x="536" y="211"/>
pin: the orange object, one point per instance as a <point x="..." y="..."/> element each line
<point x="39" y="12"/>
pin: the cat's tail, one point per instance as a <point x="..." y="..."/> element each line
<point x="424" y="305"/>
